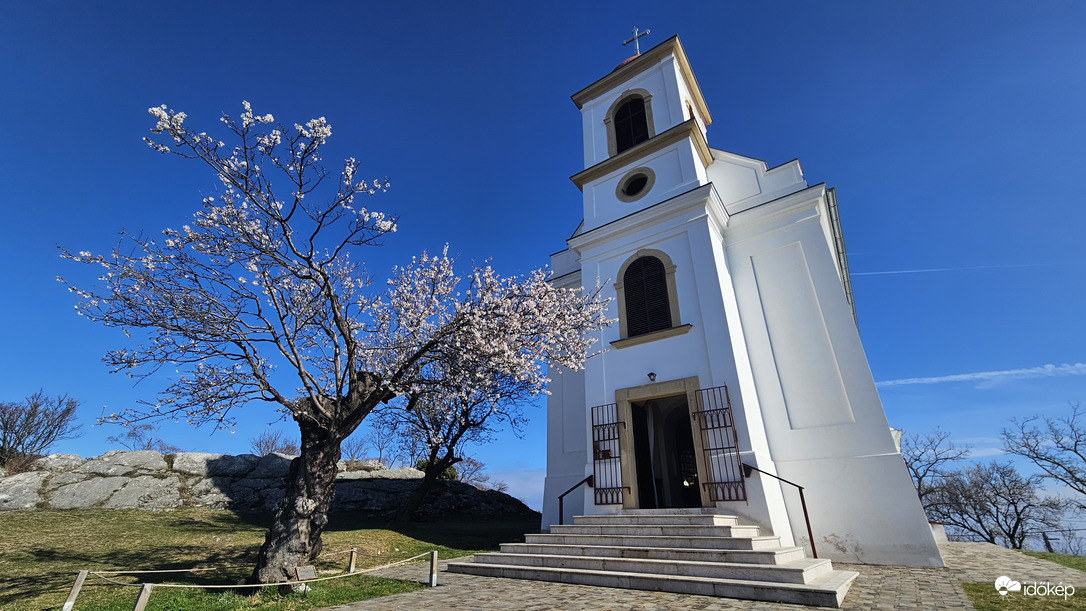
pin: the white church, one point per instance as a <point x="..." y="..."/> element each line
<point x="735" y="373"/>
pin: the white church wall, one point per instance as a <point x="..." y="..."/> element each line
<point x="824" y="422"/>
<point x="743" y="183"/>
<point x="567" y="445"/>
<point x="566" y="262"/>
<point x="728" y="357"/>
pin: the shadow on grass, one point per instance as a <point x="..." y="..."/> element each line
<point x="464" y="533"/>
<point x="224" y="521"/>
<point x="26" y="586"/>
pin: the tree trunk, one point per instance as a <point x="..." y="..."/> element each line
<point x="434" y="468"/>
<point x="404" y="513"/>
<point x="294" y="538"/>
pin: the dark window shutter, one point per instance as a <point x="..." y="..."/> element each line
<point x="631" y="125"/>
<point x="648" y="308"/>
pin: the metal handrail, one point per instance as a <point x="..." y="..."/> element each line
<point x="803" y="502"/>
<point x="561" y="497"/>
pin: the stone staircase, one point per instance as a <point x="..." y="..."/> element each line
<point x="689" y="551"/>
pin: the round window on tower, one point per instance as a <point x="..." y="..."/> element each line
<point x="635" y="184"/>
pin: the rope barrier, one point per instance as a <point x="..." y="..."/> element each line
<point x="114" y="581"/>
<point x="357" y="553"/>
<point x="100" y="575"/>
<point x="193" y="570"/>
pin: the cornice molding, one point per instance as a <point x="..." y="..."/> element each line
<point x="643" y="62"/>
<point x="619" y="344"/>
<point x="639" y="218"/>
<point x="686" y="129"/>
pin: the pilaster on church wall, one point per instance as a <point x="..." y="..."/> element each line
<point x="822" y="402"/>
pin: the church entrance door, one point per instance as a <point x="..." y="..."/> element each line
<point x="665" y="457"/>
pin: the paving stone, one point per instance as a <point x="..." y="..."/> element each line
<point x="877" y="588"/>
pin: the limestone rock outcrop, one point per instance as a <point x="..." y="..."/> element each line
<point x="149" y="480"/>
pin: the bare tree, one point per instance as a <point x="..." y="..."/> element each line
<point x="31" y="427"/>
<point x="353" y="448"/>
<point x="263" y="298"/>
<point x="471" y="471"/>
<point x="273" y="442"/>
<point x="142" y="437"/>
<point x="996" y="503"/>
<point x="384" y="439"/>
<point x="928" y="457"/>
<point x="1056" y="445"/>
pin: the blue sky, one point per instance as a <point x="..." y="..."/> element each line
<point x="952" y="131"/>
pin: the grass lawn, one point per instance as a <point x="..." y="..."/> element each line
<point x="986" y="598"/>
<point x="41" y="552"/>
<point x="1075" y="562"/>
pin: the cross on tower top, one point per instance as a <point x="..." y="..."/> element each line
<point x="634" y="39"/>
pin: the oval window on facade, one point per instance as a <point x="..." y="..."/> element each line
<point x="635" y="184"/>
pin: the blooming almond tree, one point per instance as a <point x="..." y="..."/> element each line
<point x="262" y="298"/>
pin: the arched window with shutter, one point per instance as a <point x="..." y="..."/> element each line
<point x="629" y="121"/>
<point x="631" y="127"/>
<point x="648" y="302"/>
<point x="648" y="306"/>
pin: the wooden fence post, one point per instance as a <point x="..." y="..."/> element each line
<point x="141" y="600"/>
<point x="79" y="579"/>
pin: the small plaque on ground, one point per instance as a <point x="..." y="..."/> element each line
<point x="306" y="572"/>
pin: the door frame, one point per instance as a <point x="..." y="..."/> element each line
<point x="624" y="398"/>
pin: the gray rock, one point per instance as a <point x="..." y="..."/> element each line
<point x="21" y="491"/>
<point x="86" y="494"/>
<point x="119" y="462"/>
<point x="366" y="464"/>
<point x="213" y="492"/>
<point x="370" y="464"/>
<point x="272" y="466"/>
<point x="63" y="479"/>
<point x="402" y="473"/>
<point x="58" y="462"/>
<point x="258" y="494"/>
<point x="214" y="465"/>
<point x="353" y="475"/>
<point x="146" y="492"/>
<point x="372" y="496"/>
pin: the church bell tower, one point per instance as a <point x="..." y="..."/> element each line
<point x="735" y="369"/>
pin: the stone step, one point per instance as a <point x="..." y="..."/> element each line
<point x="777" y="555"/>
<point x="660" y="530"/>
<point x="800" y="571"/>
<point x="828" y="591"/>
<point x="693" y="542"/>
<point x="677" y="511"/>
<point x="659" y="519"/>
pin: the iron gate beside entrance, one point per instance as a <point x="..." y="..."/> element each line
<point x="606" y="460"/>
<point x="712" y="411"/>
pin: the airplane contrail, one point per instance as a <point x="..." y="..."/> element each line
<point x="957" y="269"/>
